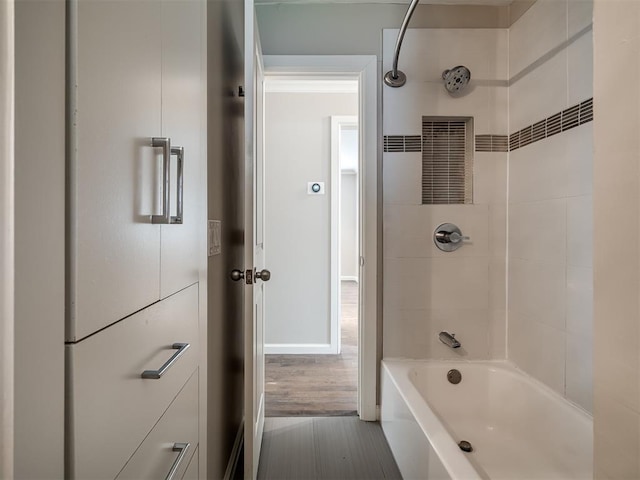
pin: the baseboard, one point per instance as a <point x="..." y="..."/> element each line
<point x="300" y="349"/>
<point x="235" y="457"/>
<point x="346" y="278"/>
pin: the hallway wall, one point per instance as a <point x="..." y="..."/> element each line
<point x="298" y="233"/>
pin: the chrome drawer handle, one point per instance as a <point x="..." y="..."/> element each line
<point x="179" y="151"/>
<point x="165" y="143"/>
<point x="181" y="348"/>
<point x="182" y="448"/>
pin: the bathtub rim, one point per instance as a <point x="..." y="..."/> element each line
<point x="455" y="462"/>
<point x="503" y="364"/>
<point x="453" y="459"/>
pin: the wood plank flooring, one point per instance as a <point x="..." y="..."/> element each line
<point x="318" y="385"/>
<point x="326" y="448"/>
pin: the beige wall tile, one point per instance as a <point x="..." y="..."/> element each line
<point x="537" y="290"/>
<point x="402" y="178"/>
<point x="436" y="283"/>
<point x="537" y="231"/>
<point x="579" y="151"/>
<point x="580" y="231"/>
<point x="409" y="230"/>
<point x="538" y="349"/>
<point x="580" y="301"/>
<point x="579" y="375"/>
<point x="580" y="68"/>
<point x="539" y="171"/>
<point x="539" y="94"/>
<point x="580" y="15"/>
<point x="489" y="178"/>
<point x="471" y="327"/>
<point x="541" y="29"/>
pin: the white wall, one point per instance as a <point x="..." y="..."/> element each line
<point x="297" y="236"/>
<point x="6" y="236"/>
<point x="349" y="226"/>
<point x="616" y="125"/>
<point x="550" y="201"/>
<point x="40" y="239"/>
<point x="427" y="290"/>
<point x="349" y="202"/>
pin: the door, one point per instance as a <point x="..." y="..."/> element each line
<point x="254" y="252"/>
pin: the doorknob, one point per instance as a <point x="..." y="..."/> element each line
<point x="237" y="275"/>
<point x="264" y="275"/>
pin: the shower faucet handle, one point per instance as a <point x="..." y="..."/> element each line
<point x="455" y="237"/>
<point x="448" y="237"/>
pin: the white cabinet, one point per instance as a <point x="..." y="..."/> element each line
<point x="139" y="74"/>
<point x="113" y="407"/>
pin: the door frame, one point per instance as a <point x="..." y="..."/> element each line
<point x="365" y="69"/>
<point x="7" y="199"/>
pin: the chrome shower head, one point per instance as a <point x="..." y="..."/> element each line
<point x="456" y="79"/>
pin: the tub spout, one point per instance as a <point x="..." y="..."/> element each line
<point x="449" y="340"/>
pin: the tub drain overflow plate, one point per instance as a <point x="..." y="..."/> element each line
<point x="465" y="446"/>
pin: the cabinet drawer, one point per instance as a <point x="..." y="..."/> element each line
<point x="193" y="470"/>
<point x="155" y="458"/>
<point x="111" y="408"/>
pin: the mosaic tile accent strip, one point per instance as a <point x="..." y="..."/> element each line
<point x="402" y="143"/>
<point x="492" y="143"/>
<point x="560" y="122"/>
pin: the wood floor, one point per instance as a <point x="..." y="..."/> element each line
<point x="334" y="448"/>
<point x="318" y="385"/>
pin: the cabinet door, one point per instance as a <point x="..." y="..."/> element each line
<point x="114" y="172"/>
<point x="183" y="120"/>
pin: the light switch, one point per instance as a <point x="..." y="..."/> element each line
<point x="214" y="237"/>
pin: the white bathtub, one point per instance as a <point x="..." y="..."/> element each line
<point x="518" y="427"/>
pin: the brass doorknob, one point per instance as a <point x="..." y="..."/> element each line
<point x="263" y="275"/>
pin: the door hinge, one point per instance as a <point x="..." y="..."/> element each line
<point x="362" y="261"/>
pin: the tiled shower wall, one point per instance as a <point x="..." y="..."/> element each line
<point x="426" y="290"/>
<point x="525" y="81"/>
<point x="550" y="223"/>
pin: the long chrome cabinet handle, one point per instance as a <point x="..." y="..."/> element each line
<point x="155" y="374"/>
<point x="182" y="448"/>
<point x="179" y="151"/>
<point x="165" y="143"/>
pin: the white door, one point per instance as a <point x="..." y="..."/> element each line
<point x="256" y="275"/>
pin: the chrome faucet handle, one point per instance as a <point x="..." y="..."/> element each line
<point x="455" y="237"/>
<point x="448" y="237"/>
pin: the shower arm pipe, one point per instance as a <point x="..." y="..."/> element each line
<point x="395" y="78"/>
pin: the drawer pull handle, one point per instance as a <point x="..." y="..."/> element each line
<point x="155" y="374"/>
<point x="165" y="143"/>
<point x="182" y="448"/>
<point x="177" y="220"/>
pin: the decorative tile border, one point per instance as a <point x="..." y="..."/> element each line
<point x="492" y="143"/>
<point x="560" y="122"/>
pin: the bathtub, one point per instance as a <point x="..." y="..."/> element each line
<point x="518" y="427"/>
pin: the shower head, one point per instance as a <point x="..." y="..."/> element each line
<point x="456" y="79"/>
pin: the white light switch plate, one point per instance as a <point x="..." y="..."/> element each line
<point x="214" y="237"/>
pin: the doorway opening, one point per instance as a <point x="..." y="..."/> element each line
<point x="312" y="230"/>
